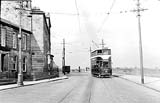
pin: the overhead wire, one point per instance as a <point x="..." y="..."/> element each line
<point x="106" y="18"/>
<point x="78" y="15"/>
<point x="95" y="44"/>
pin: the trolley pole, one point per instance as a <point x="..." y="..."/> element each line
<point x="102" y="44"/>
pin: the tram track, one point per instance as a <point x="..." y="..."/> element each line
<point x="107" y="88"/>
<point x="68" y="94"/>
<point x="79" y="92"/>
<point x="61" y="101"/>
<point x="80" y="88"/>
<point x="90" y="90"/>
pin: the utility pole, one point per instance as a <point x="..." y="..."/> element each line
<point x="138" y="10"/>
<point x="20" y="69"/>
<point x="63" y="57"/>
<point x="21" y="9"/>
<point x="20" y="72"/>
<point x="90" y="58"/>
<point x="140" y="42"/>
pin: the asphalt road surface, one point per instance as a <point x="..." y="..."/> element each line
<point x="82" y="88"/>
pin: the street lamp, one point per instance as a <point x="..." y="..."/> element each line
<point x="20" y="72"/>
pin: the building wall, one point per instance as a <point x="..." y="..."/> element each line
<point x="37" y="24"/>
<point x="40" y="39"/>
<point x="46" y="42"/>
<point x="9" y="53"/>
<point x="9" y="12"/>
<point x="37" y="43"/>
<point x="40" y="43"/>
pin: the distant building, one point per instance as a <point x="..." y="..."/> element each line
<point x="38" y="23"/>
<point x="9" y="50"/>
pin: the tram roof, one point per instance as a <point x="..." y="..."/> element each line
<point x="100" y="49"/>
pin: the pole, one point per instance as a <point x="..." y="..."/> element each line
<point x="20" y="72"/>
<point x="90" y="58"/>
<point x="140" y="42"/>
<point x="63" y="57"/>
<point x="102" y="44"/>
<point x="64" y="50"/>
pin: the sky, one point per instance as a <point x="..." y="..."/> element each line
<point x="90" y="21"/>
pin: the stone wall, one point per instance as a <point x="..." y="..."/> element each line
<point x="9" y="13"/>
<point x="10" y="53"/>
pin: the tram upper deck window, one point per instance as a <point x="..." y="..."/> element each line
<point x="93" y="53"/>
<point x="99" y="51"/>
<point x="107" y="51"/>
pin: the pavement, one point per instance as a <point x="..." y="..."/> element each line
<point x="28" y="83"/>
<point x="149" y="82"/>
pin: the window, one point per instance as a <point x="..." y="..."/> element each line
<point x="0" y="33"/>
<point x="14" y="40"/>
<point x="107" y="51"/>
<point x="24" y="41"/>
<point x="99" y="51"/>
<point x="15" y="63"/>
<point x="24" y="64"/>
<point x="3" y="36"/>
<point x="4" y="62"/>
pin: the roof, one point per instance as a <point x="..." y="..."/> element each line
<point x="13" y="25"/>
<point x="8" y="22"/>
<point x="15" y="0"/>
<point x="100" y="49"/>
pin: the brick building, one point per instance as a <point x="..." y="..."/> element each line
<point x="37" y="22"/>
<point x="9" y="50"/>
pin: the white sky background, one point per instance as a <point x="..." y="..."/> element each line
<point x="119" y="31"/>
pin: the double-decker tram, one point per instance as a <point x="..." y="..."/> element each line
<point x="101" y="62"/>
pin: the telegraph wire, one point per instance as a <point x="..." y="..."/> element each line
<point x="61" y="13"/>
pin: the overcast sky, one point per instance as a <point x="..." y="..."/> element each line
<point x="119" y="30"/>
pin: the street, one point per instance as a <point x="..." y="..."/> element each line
<point x="81" y="88"/>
